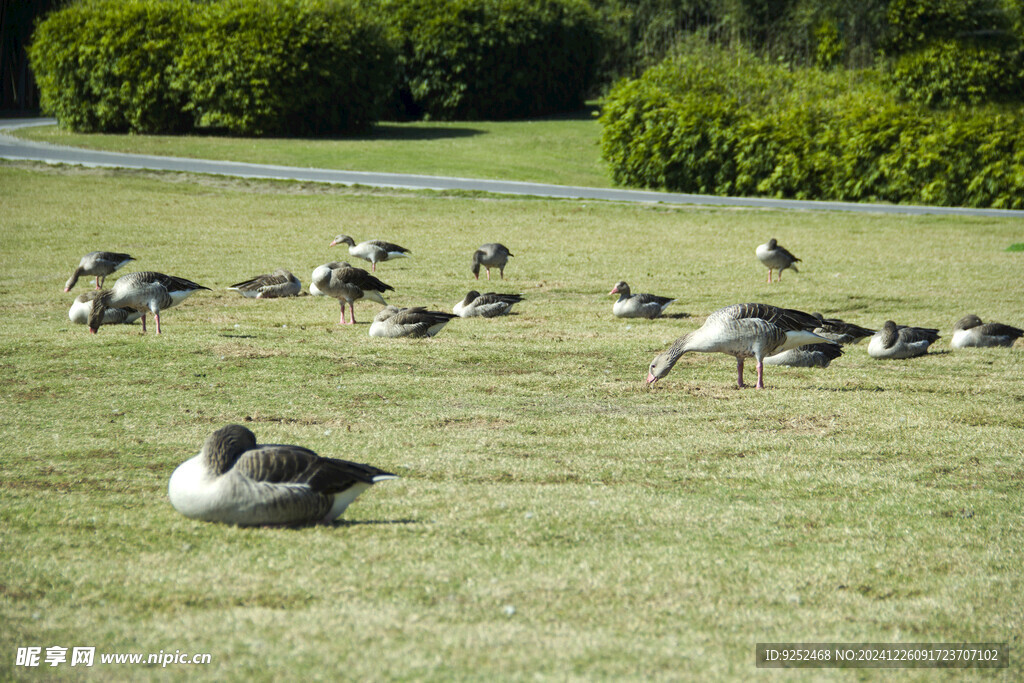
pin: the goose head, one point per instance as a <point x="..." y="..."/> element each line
<point x="620" y="288"/>
<point x="222" y="448"/>
<point x="343" y="239"/>
<point x="967" y="322"/>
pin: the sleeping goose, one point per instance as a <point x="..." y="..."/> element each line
<point x="144" y="291"/>
<point x="489" y="305"/>
<point x="970" y="331"/>
<point x="98" y="263"/>
<point x="81" y="307"/>
<point x="492" y="255"/>
<point x="393" y="321"/>
<point x="280" y="283"/>
<point x="637" y="305"/>
<point x="806" y="356"/>
<point x="775" y="257"/>
<point x="348" y="284"/>
<point x="235" y="481"/>
<point x="840" y="331"/>
<point x="744" y="331"/>
<point x="900" y="341"/>
<point x="373" y="251"/>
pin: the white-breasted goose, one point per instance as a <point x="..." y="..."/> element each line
<point x="417" y="321"/>
<point x="145" y="292"/>
<point x="280" y="283"/>
<point x="744" y="331"/>
<point x="776" y="257"/>
<point x="97" y="263"/>
<point x="637" y="305"/>
<point x="81" y="307"/>
<point x="970" y="331"/>
<point x="900" y="341"/>
<point x="489" y="305"/>
<point x="373" y="251"/>
<point x="348" y="284"/>
<point x="492" y="255"/>
<point x="234" y="480"/>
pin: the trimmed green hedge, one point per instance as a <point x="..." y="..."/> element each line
<point x="723" y="123"/>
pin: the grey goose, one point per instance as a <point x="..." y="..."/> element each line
<point x="145" y="292"/>
<point x="491" y="255"/>
<point x="840" y="331"/>
<point x="776" y="257"/>
<point x="630" y="305"/>
<point x="349" y="285"/>
<point x="280" y="283"/>
<point x="489" y="305"/>
<point x="99" y="264"/>
<point x="899" y="341"/>
<point x="807" y="356"/>
<point x="970" y="331"/>
<point x="373" y="251"/>
<point x="417" y="321"/>
<point x="81" y="307"/>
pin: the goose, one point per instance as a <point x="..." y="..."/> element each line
<point x="776" y="257"/>
<point x="840" y="331"/>
<point x="234" y="480"/>
<point x="98" y="263"/>
<point x="489" y="305"/>
<point x="637" y="305"/>
<point x="970" y="331"/>
<point x="81" y="307"/>
<point x="144" y="291"/>
<point x="393" y="321"/>
<point x="744" y="331"/>
<point x="280" y="283"/>
<point x="900" y="341"/>
<point x="807" y="356"/>
<point x="489" y="256"/>
<point x="348" y="284"/>
<point x="321" y="271"/>
<point x="373" y="251"/>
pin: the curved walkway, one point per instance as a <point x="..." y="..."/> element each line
<point x="17" y="149"/>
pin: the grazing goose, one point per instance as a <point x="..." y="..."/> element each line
<point x="98" y="263"/>
<point x="489" y="256"/>
<point x="348" y="284"/>
<point x="807" y="356"/>
<point x="970" y="331"/>
<point x="840" y="331"/>
<point x="775" y="257"/>
<point x="280" y="283"/>
<point x="489" y="305"/>
<point x="744" y="331"/>
<point x="144" y="291"/>
<point x="637" y="305"/>
<point x="81" y="307"/>
<point x="235" y="481"/>
<point x="900" y="341"/>
<point x="393" y="321"/>
<point x="373" y="251"/>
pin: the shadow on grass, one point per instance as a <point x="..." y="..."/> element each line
<point x="359" y="522"/>
<point x="415" y="133"/>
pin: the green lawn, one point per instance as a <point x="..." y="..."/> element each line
<point x="554" y="518"/>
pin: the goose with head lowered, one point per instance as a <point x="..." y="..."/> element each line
<point x="970" y="331"/>
<point x="349" y="285"/>
<point x="637" y="305"/>
<point x="81" y="307"/>
<point x="97" y="263"/>
<point x="417" y="321"/>
<point x="744" y="331"/>
<point x="489" y="305"/>
<point x="373" y="251"/>
<point x="491" y="255"/>
<point x="234" y="480"/>
<point x="776" y="257"/>
<point x="280" y="283"/>
<point x="900" y="341"/>
<point x="145" y="292"/>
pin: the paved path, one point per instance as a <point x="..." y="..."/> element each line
<point x="14" y="148"/>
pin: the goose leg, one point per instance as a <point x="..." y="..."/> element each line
<point x="769" y="276"/>
<point x="352" y="310"/>
<point x="488" y="273"/>
<point x="143" y="323"/>
<point x="342" y="322"/>
<point x="502" y="271"/>
<point x="739" y="371"/>
<point x="760" y="375"/>
<point x="156" y="317"/>
<point x="98" y="285"/>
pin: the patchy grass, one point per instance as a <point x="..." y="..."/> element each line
<point x="554" y="518"/>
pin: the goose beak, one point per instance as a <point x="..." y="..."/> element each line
<point x="651" y="379"/>
<point x="333" y="242"/>
<point x="615" y="290"/>
<point x="92" y="330"/>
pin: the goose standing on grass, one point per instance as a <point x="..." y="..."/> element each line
<point x="348" y="284"/>
<point x="970" y="331"/>
<point x="98" y="263"/>
<point x="145" y="292"/>
<point x="775" y="257"/>
<point x="744" y="331"/>
<point x="235" y="481"/>
<point x="373" y="251"/>
<point x="81" y="307"/>
<point x="280" y="283"/>
<point x="393" y="321"/>
<point x="806" y="356"/>
<point x="489" y="305"/>
<point x="489" y="256"/>
<point x="840" y="331"/>
<point x="900" y="341"/>
<point x="637" y="305"/>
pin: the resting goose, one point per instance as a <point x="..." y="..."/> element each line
<point x="81" y="307"/>
<point x="637" y="305"/>
<point x="744" y="331"/>
<point x="489" y="305"/>
<point x="492" y="255"/>
<point x="806" y="356"/>
<point x="373" y="251"/>
<point x="840" y="331"/>
<point x="144" y="291"/>
<point x="393" y="321"/>
<point x="348" y="284"/>
<point x="775" y="257"/>
<point x="98" y="263"/>
<point x="970" y="331"/>
<point x="900" y="341"/>
<point x="280" y="283"/>
<point x="235" y="481"/>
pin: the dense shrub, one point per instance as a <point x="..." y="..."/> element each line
<point x="719" y="123"/>
<point x="492" y="59"/>
<point x="950" y="72"/>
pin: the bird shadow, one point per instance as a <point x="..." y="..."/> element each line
<point x="360" y="522"/>
<point x="676" y="316"/>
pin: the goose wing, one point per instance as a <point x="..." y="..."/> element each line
<point x="389" y="247"/>
<point x="788" y="319"/>
<point x="280" y="464"/>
